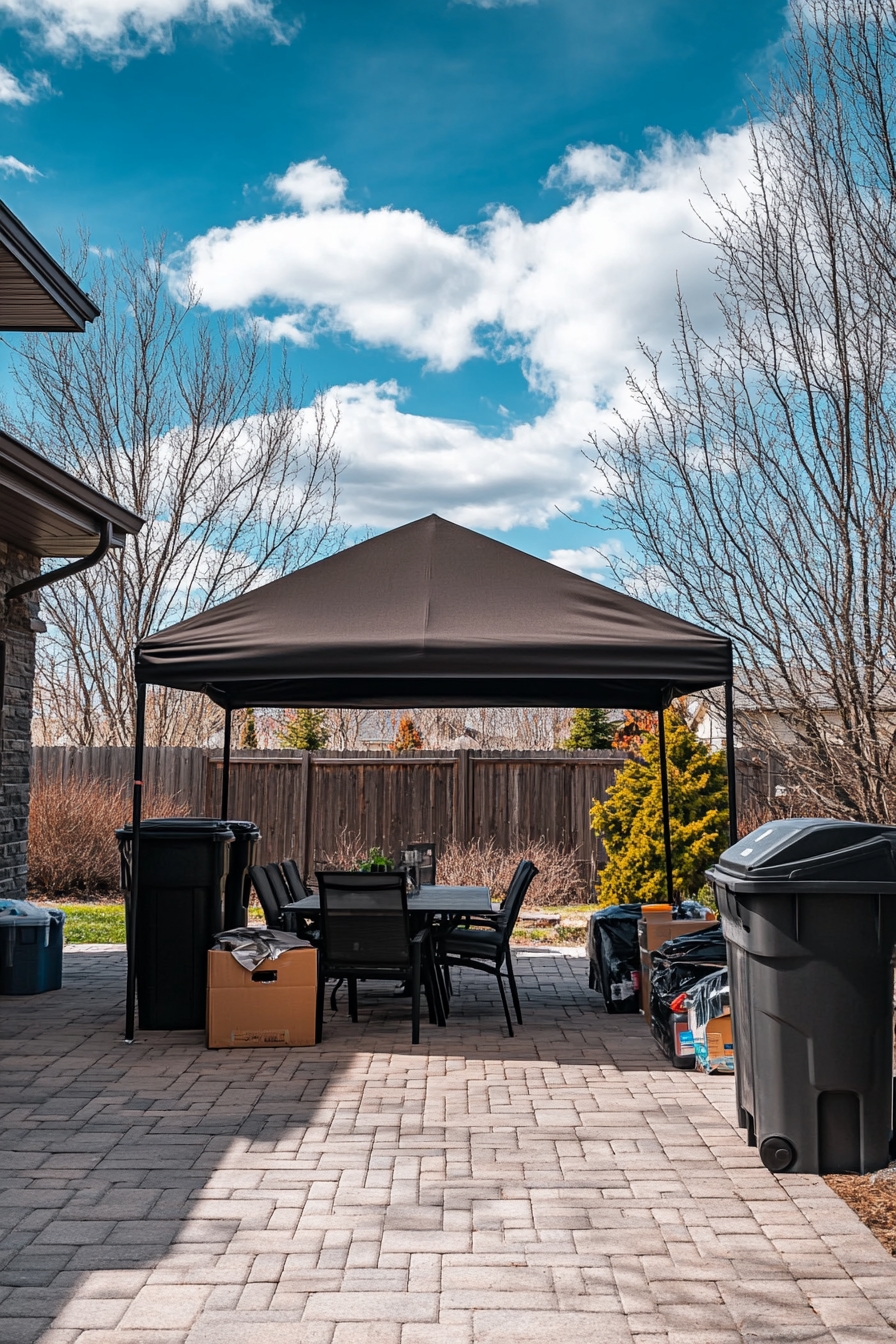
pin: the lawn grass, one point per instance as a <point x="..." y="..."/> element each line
<point x="91" y="923"/>
<point x="94" y="923"/>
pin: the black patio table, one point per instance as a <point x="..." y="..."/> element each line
<point x="453" y="903"/>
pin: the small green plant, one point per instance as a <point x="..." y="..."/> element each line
<point x="376" y="862"/>
<point x="589" y="730"/>
<point x="305" y="730"/>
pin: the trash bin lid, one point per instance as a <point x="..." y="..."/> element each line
<point x="23" y="914"/>
<point x="180" y="828"/>
<point x="811" y="852"/>
<point x="248" y="829"/>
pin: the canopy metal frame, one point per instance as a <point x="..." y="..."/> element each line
<point x="137" y="811"/>
<point x="430" y="614"/>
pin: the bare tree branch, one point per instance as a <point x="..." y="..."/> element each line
<point x="760" y="492"/>
<point x="196" y="426"/>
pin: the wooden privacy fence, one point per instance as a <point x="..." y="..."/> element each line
<point x="306" y="802"/>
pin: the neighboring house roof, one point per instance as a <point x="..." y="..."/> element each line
<point x="48" y="512"/>
<point x="35" y="292"/>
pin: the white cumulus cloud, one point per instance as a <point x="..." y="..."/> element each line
<point x="311" y="185"/>
<point x="593" y="562"/>
<point x="13" y="92"/>
<point x="119" y="28"/>
<point x="400" y="465"/>
<point x="569" y="297"/>
<point x="495" y="4"/>
<point x="10" y="165"/>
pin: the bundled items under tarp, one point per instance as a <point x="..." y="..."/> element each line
<point x="659" y="922"/>
<point x="614" y="965"/>
<point x="250" y="947"/>
<point x="708" y="1007"/>
<point x="676" y="966"/>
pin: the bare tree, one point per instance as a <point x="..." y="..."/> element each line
<point x="195" y="426"/>
<point x="760" y="491"/>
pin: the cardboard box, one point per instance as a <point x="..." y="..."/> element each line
<point x="271" y="1006"/>
<point x="713" y="1044"/>
<point x="655" y="927"/>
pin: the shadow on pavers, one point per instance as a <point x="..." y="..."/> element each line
<point x="115" y="1158"/>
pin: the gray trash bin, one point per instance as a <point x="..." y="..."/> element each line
<point x="808" y="909"/>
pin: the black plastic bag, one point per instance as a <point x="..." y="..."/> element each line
<point x="615" y="958"/>
<point x="676" y="966"/>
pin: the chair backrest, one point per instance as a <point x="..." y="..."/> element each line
<point x="278" y="884"/>
<point x="297" y="889"/>
<point x="425" y="861"/>
<point x="364" y="919"/>
<point x="269" y="903"/>
<point x="516" y="894"/>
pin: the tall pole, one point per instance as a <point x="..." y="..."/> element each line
<point x="730" y="762"/>
<point x="664" y="786"/>
<point x="136" y="814"/>
<point x="225" y="769"/>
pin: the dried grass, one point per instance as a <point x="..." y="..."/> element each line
<point x="71" y="834"/>
<point x="344" y="856"/>
<point x="482" y="864"/>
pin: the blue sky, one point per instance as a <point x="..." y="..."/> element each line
<point x="463" y="259"/>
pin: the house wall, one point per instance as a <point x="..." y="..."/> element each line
<point x="18" y="625"/>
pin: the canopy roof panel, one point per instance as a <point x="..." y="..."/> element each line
<point x="432" y="614"/>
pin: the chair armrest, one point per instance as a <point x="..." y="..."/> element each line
<point x="421" y="936"/>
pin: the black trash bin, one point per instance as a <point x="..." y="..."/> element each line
<point x="183" y="866"/>
<point x="237" y="888"/>
<point x="808" y="909"/>
<point x="614" y="957"/>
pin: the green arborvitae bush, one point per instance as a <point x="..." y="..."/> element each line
<point x="305" y="730"/>
<point x="249" y="732"/>
<point x="589" y="730"/>
<point x="630" y="822"/>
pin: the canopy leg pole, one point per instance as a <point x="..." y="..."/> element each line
<point x="664" y="787"/>
<point x="225" y="768"/>
<point x="730" y="762"/>
<point x="136" y="814"/>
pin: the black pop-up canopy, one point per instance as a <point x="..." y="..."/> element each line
<point x="432" y="614"/>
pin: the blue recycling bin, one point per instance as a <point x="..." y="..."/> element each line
<point x="31" y="942"/>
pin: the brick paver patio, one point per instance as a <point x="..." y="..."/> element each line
<point x="564" y="1186"/>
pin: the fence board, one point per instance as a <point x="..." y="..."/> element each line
<point x="303" y="802"/>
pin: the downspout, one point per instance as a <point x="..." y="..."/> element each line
<point x="65" y="571"/>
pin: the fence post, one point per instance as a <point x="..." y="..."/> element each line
<point x="305" y="810"/>
<point x="463" y="800"/>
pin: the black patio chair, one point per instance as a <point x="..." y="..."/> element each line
<point x="365" y="935"/>
<point x="487" y="948"/>
<point x="297" y="889"/>
<point x="274" y="894"/>
<point x="426" y="866"/>
<point x="273" y="913"/>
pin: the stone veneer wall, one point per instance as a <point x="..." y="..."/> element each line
<point x="18" y="623"/>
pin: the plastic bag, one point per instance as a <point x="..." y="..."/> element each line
<point x="677" y="965"/>
<point x="250" y="947"/>
<point x="613" y="951"/>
